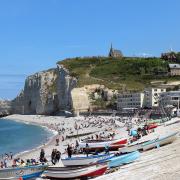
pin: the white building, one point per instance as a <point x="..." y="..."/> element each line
<point x="152" y="95"/>
<point x="130" y="100"/>
<point x="148" y="98"/>
<point x="170" y="98"/>
<point x="174" y="69"/>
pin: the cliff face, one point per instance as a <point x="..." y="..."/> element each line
<point x="65" y="84"/>
<point x="5" y="108"/>
<point x="45" y="93"/>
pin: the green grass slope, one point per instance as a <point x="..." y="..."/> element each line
<point x="133" y="74"/>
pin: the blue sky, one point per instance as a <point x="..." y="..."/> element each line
<point x="35" y="34"/>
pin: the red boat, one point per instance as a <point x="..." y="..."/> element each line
<point x="93" y="145"/>
<point x="152" y="126"/>
<point x="81" y="172"/>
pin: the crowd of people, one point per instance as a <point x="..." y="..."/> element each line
<point x="5" y="158"/>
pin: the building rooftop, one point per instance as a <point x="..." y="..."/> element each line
<point x="117" y="51"/>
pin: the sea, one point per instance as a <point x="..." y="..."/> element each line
<point x="18" y="137"/>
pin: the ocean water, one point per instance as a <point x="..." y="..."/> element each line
<point x="16" y="137"/>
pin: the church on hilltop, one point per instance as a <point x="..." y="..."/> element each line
<point x="114" y="53"/>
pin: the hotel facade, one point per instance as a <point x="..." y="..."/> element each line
<point x="149" y="98"/>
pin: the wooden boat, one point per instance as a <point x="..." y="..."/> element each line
<point x="173" y="121"/>
<point x="159" y="141"/>
<point x="84" y="160"/>
<point x="123" y="159"/>
<point x="102" y="148"/>
<point x="22" y="172"/>
<point x="75" y="172"/>
<point x="102" y="143"/>
<point x="146" y="145"/>
<point x="132" y="147"/>
<point x="152" y="126"/>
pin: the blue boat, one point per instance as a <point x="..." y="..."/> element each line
<point x="24" y="173"/>
<point x="123" y="159"/>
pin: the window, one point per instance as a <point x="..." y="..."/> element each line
<point x="175" y="98"/>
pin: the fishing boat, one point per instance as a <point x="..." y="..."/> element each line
<point x="159" y="141"/>
<point x="22" y="172"/>
<point x="132" y="147"/>
<point x="152" y="126"/>
<point x="123" y="159"/>
<point x="100" y="144"/>
<point x="150" y="144"/>
<point x="84" y="160"/>
<point x="75" y="172"/>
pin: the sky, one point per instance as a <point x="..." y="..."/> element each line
<point x="35" y="34"/>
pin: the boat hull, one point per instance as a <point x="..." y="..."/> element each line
<point x="149" y="144"/>
<point x="80" y="161"/>
<point x="102" y="148"/>
<point x="78" y="172"/>
<point x="24" y="172"/>
<point x="98" y="144"/>
<point x="130" y="148"/>
<point x="123" y="159"/>
<point x="159" y="142"/>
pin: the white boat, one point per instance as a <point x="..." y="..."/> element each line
<point x="131" y="148"/>
<point x="22" y="172"/>
<point x="159" y="142"/>
<point x="149" y="144"/>
<point x="75" y="172"/>
<point x="84" y="160"/>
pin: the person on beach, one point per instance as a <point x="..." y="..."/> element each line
<point x="53" y="155"/>
<point x="58" y="156"/>
<point x="87" y="149"/>
<point x="11" y="155"/>
<point x="5" y="162"/>
<point x="22" y="163"/>
<point x="14" y="163"/>
<point x="42" y="155"/>
<point x="77" y="144"/>
<point x="2" y="165"/>
<point x="57" y="141"/>
<point x="106" y="149"/>
<point x="69" y="151"/>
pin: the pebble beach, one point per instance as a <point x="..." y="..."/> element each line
<point x="161" y="163"/>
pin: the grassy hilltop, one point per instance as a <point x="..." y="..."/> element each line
<point x="131" y="74"/>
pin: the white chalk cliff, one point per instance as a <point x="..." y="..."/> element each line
<point x="45" y="92"/>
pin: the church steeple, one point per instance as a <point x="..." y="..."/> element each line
<point x="114" y="53"/>
<point x="111" y="51"/>
<point x="111" y="46"/>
